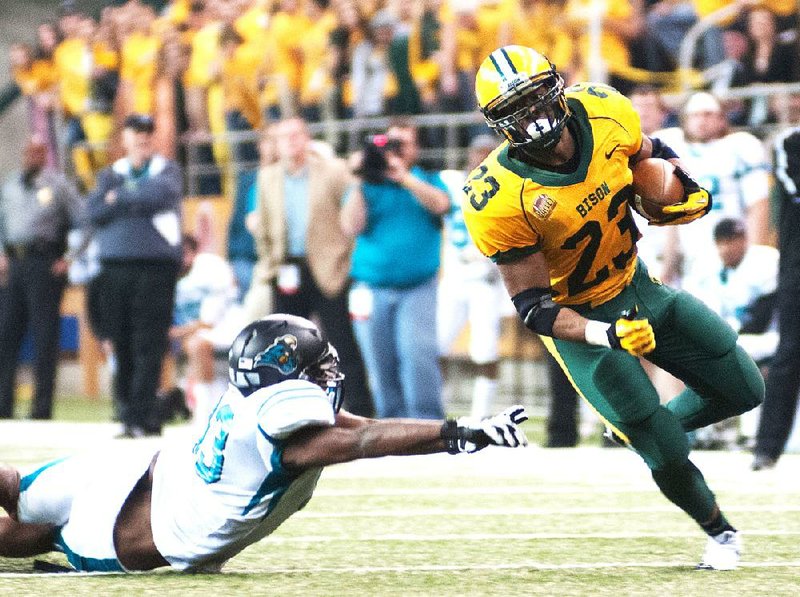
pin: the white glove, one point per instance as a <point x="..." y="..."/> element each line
<point x="503" y="429"/>
<point x="468" y="434"/>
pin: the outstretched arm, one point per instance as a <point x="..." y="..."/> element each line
<point x="353" y="438"/>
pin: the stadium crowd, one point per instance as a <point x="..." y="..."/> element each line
<point x="262" y="69"/>
<point x="234" y="65"/>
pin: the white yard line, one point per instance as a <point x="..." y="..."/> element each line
<point x="501" y="511"/>
<point x="681" y="564"/>
<point x="521" y="566"/>
<point x="412" y="538"/>
<point x="540" y="490"/>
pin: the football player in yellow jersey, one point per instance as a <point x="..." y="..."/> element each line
<point x="551" y="207"/>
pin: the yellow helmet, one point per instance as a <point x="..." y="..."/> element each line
<point x="521" y="95"/>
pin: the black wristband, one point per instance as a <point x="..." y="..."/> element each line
<point x="449" y="433"/>
<point x="613" y="339"/>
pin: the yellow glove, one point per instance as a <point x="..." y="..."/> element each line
<point x="696" y="203"/>
<point x="632" y="335"/>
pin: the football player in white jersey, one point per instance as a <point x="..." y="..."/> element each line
<point x="732" y="166"/>
<point x="195" y="506"/>
<point x="470" y="289"/>
<point x="739" y="282"/>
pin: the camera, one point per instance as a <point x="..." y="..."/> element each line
<point x="373" y="162"/>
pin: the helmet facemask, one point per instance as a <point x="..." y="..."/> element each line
<point x="325" y="373"/>
<point x="532" y="114"/>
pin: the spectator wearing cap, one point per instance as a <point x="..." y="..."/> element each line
<point x="135" y="211"/>
<point x="739" y="283"/>
<point x="37" y="209"/>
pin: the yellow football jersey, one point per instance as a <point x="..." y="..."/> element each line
<point x="580" y="221"/>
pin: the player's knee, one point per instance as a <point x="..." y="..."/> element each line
<point x="672" y="473"/>
<point x="624" y="384"/>
<point x="660" y="440"/>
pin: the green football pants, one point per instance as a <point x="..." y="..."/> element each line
<point x="692" y="342"/>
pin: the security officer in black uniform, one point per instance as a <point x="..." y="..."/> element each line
<point x="37" y="209"/>
<point x="135" y="212"/>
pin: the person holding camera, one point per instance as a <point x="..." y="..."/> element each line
<point x="395" y="215"/>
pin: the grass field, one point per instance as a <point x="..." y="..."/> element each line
<point x="585" y="521"/>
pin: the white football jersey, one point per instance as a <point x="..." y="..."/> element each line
<point x="206" y="292"/>
<point x="736" y="172"/>
<point x="730" y="292"/>
<point x="461" y="259"/>
<point x="230" y="489"/>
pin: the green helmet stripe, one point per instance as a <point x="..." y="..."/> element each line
<point x="508" y="59"/>
<point x="497" y="66"/>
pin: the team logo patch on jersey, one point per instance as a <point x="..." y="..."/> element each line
<point x="279" y="355"/>
<point x="543" y="206"/>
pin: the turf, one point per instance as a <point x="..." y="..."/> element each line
<point x="585" y="521"/>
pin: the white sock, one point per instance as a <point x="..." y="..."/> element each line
<point x="483" y="395"/>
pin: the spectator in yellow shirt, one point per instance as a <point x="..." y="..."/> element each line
<point x="473" y="29"/>
<point x="253" y="22"/>
<point x="198" y="75"/>
<point x="287" y="28"/>
<point x="139" y="56"/>
<point x="239" y="79"/>
<point x="73" y="61"/>
<point x="98" y="120"/>
<point x="540" y="24"/>
<point x="36" y="78"/>
<point x="315" y="85"/>
<point x="622" y="22"/>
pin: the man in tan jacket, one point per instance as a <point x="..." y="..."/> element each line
<point x="303" y="256"/>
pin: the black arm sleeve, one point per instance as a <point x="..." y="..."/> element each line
<point x="537" y="309"/>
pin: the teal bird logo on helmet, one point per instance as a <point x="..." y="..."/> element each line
<point x="280" y="355"/>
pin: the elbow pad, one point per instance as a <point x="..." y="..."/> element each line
<point x="537" y="309"/>
<point x="662" y="150"/>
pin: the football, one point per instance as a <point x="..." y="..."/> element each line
<point x="655" y="186"/>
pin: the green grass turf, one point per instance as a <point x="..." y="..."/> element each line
<point x="72" y="408"/>
<point x="584" y="521"/>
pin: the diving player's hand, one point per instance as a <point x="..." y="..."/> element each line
<point x="634" y="336"/>
<point x="696" y="203"/>
<point x="468" y="434"/>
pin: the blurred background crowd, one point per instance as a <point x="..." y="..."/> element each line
<point x="205" y="68"/>
<point x="253" y="100"/>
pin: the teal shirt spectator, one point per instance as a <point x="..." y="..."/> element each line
<point x="400" y="244"/>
